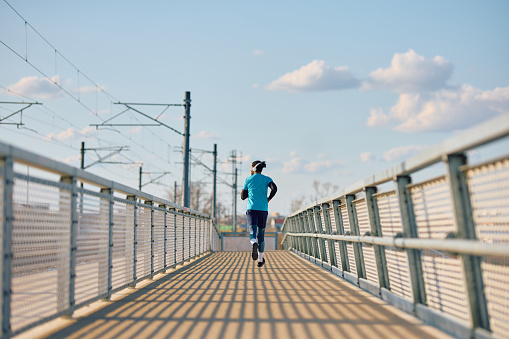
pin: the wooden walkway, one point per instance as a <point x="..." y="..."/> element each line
<point x="225" y="295"/>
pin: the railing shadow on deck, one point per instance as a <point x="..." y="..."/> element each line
<point x="225" y="295"/>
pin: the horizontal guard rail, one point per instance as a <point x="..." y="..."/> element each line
<point x="457" y="246"/>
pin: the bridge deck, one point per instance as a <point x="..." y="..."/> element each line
<point x="225" y="295"/>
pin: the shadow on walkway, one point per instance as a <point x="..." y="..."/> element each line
<point x="225" y="295"/>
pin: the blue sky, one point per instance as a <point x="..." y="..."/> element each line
<point x="325" y="90"/>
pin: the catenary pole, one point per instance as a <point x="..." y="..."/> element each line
<point x="185" y="177"/>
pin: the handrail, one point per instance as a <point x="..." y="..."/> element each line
<point x="455" y="246"/>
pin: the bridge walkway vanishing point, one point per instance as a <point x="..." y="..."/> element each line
<point x="225" y="295"/>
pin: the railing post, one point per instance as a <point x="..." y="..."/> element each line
<point x="310" y="244"/>
<point x="164" y="237"/>
<point x="151" y="204"/>
<point x="376" y="231"/>
<point x="319" y="230"/>
<point x="410" y="231"/>
<point x="135" y="240"/>
<point x="8" y="212"/>
<point x="466" y="230"/>
<point x="338" y="219"/>
<point x="74" y="228"/>
<point x="109" y="191"/>
<point x="328" y="229"/>
<point x="354" y="227"/>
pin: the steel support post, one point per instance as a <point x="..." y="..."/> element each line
<point x="376" y="231"/>
<point x="174" y="237"/>
<point x="354" y="229"/>
<point x="338" y="219"/>
<point x="109" y="191"/>
<point x="466" y="230"/>
<point x="73" y="247"/>
<point x="328" y="230"/>
<point x="214" y="184"/>
<point x="410" y="231"/>
<point x="319" y="230"/>
<point x="195" y="237"/>
<point x="134" y="199"/>
<point x="8" y="212"/>
<point x="151" y="204"/>
<point x="183" y="238"/>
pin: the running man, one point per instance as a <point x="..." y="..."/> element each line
<point x="255" y="189"/>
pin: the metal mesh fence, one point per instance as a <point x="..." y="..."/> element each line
<point x="91" y="246"/>
<point x="158" y="242"/>
<point x="397" y="260"/>
<point x="489" y="189"/>
<point x="349" y="247"/>
<point x="368" y="251"/>
<point x="143" y="253"/>
<point x="40" y="250"/>
<point x="179" y="222"/>
<point x="334" y="227"/>
<point x="123" y="243"/>
<point x="443" y="274"/>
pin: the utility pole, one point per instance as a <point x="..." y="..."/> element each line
<point x="141" y="172"/>
<point x="185" y="176"/>
<point x="214" y="192"/>
<point x="82" y="157"/>
<point x="175" y="193"/>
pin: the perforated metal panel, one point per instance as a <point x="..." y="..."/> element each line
<point x="323" y="229"/>
<point x="2" y="179"/>
<point x="397" y="260"/>
<point x="242" y="243"/>
<point x="367" y="251"/>
<point x="158" y="243"/>
<point x="179" y="219"/>
<point x="443" y="274"/>
<point x="144" y="240"/>
<point x="489" y="190"/>
<point x="349" y="247"/>
<point x="336" y="244"/>
<point x="122" y="272"/>
<point x="41" y="248"/>
<point x="170" y="236"/>
<point x="92" y="246"/>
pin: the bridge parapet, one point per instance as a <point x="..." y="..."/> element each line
<point x="69" y="238"/>
<point x="436" y="248"/>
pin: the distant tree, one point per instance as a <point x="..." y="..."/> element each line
<point x="319" y="191"/>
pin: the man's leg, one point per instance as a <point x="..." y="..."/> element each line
<point x="252" y="221"/>
<point x="262" y="220"/>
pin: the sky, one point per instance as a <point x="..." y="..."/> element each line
<point x="328" y="91"/>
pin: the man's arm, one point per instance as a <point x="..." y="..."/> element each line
<point x="243" y="194"/>
<point x="273" y="190"/>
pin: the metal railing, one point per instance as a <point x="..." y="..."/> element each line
<point x="64" y="245"/>
<point x="438" y="249"/>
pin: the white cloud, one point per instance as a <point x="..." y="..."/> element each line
<point x="135" y="130"/>
<point x="258" y="52"/>
<point x="89" y="131"/>
<point x="255" y="85"/>
<point x="64" y="135"/>
<point x="207" y="136"/>
<point x="299" y="165"/>
<point x="411" y="72"/>
<point x="40" y="88"/>
<point x="293" y="153"/>
<point x="377" y="117"/>
<point x="402" y="152"/>
<point x="448" y="110"/>
<point x="366" y="157"/>
<point x="315" y="76"/>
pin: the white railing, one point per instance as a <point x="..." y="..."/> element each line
<point x="65" y="245"/>
<point x="438" y="249"/>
